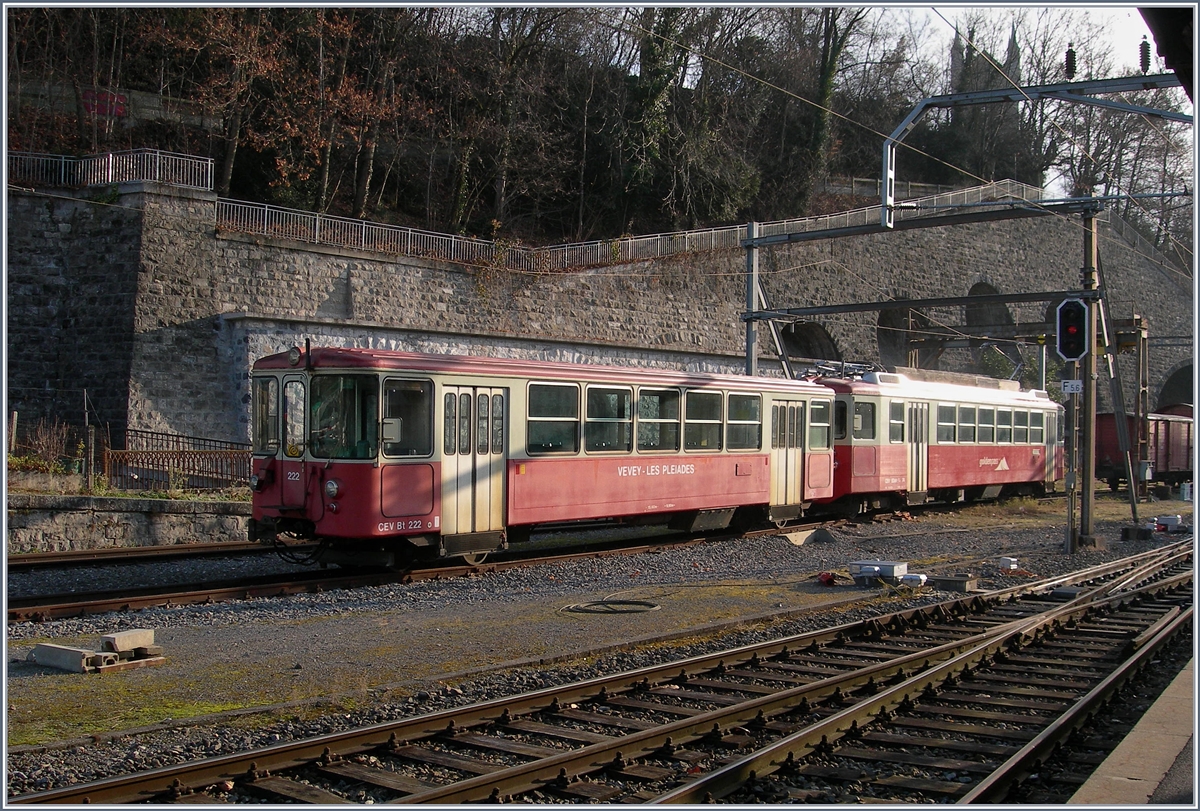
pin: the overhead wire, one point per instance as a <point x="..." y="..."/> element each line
<point x="623" y="23"/>
<point x="1083" y="149"/>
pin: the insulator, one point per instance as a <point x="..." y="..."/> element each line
<point x="1145" y="51"/>
<point x="1070" y="62"/>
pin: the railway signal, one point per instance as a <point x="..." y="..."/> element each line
<point x="1072" y="329"/>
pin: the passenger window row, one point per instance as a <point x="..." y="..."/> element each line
<point x="977" y="424"/>
<point x="711" y="420"/>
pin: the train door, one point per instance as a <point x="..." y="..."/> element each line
<point x="787" y="452"/>
<point x="473" y="456"/>
<point x="292" y="489"/>
<point x="1052" y="472"/>
<point x="918" y="452"/>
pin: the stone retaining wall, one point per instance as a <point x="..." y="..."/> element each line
<point x="141" y="301"/>
<point x="60" y="523"/>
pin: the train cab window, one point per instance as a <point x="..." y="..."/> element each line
<point x="987" y="425"/>
<point x="552" y="425"/>
<point x="840" y="420"/>
<point x="1020" y="426"/>
<point x="864" y="420"/>
<point x="896" y="422"/>
<point x="658" y="420"/>
<point x="743" y="424"/>
<point x="407" y="417"/>
<point x="293" y="418"/>
<point x="947" y="423"/>
<point x="819" y="414"/>
<point x="966" y="423"/>
<point x="265" y="395"/>
<point x="1037" y="427"/>
<point x="609" y="424"/>
<point x="344" y="416"/>
<point x="702" y="421"/>
<point x="1004" y="431"/>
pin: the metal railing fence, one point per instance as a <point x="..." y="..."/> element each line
<point x="321" y="229"/>
<point x="137" y="439"/>
<point x="187" y="171"/>
<point x="176" y="470"/>
<point x="306" y="226"/>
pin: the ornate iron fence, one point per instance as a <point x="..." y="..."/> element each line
<point x="177" y="470"/>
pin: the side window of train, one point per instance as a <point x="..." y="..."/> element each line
<point x="840" y="420"/>
<point x="1020" y="426"/>
<point x="987" y="425"/>
<point x="864" y="420"/>
<point x="702" y="421"/>
<point x="609" y="423"/>
<point x="819" y="414"/>
<point x="966" y="423"/>
<point x="658" y="420"/>
<point x="450" y="424"/>
<point x="1004" y="421"/>
<point x="294" y="406"/>
<point x="497" y="423"/>
<point x="1037" y="427"/>
<point x="552" y="423"/>
<point x="464" y="423"/>
<point x="744" y="422"/>
<point x="947" y="423"/>
<point x="784" y="429"/>
<point x="483" y="435"/>
<point x="896" y="421"/>
<point x="266" y="415"/>
<point x="407" y="417"/>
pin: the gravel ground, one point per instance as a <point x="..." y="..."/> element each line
<point x="255" y="672"/>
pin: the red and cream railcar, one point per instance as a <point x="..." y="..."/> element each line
<point x="901" y="441"/>
<point x="382" y="454"/>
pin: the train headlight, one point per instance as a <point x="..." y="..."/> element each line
<point x="294" y="355"/>
<point x="255" y="482"/>
<point x="332" y="488"/>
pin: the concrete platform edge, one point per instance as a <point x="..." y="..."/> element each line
<point x="1133" y="771"/>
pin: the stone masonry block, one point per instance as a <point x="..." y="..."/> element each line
<point x="127" y="640"/>
<point x="77" y="660"/>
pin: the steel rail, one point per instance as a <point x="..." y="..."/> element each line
<point x="38" y="609"/>
<point x="764" y="761"/>
<point x="148" y="785"/>
<point x="995" y="787"/>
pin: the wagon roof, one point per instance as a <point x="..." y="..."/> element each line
<point x="329" y="358"/>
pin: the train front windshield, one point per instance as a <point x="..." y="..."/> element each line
<point x="343" y="416"/>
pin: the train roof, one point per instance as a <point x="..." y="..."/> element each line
<point x="329" y="358"/>
<point x="945" y="387"/>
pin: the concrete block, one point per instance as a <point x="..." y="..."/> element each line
<point x="127" y="640"/>
<point x="77" y="660"/>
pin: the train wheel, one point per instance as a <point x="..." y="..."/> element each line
<point x="474" y="558"/>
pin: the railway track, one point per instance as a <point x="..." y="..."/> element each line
<point x="47" y="607"/>
<point x="958" y="701"/>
